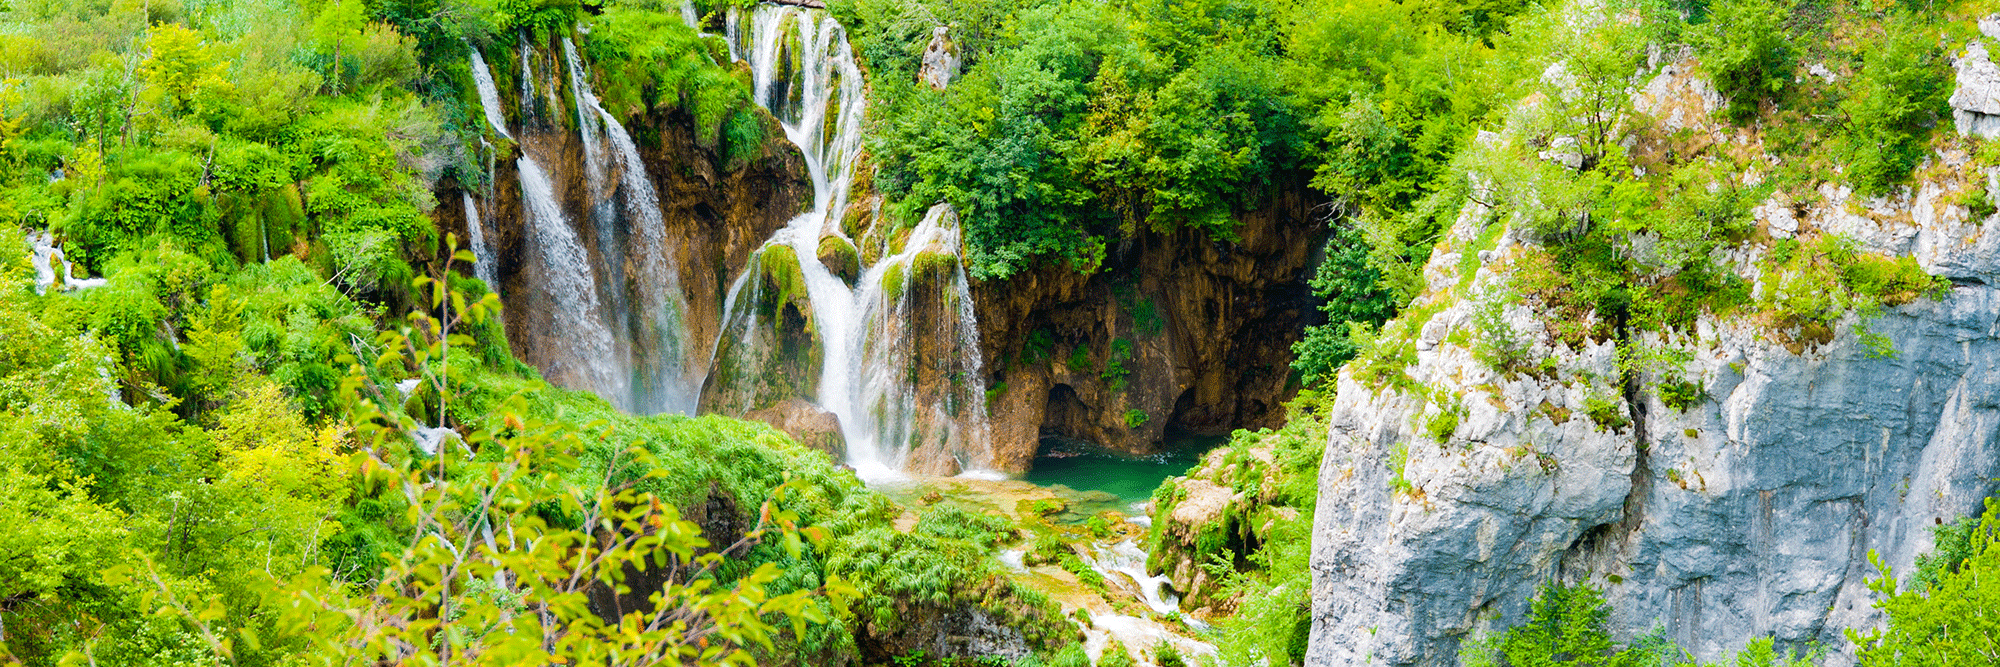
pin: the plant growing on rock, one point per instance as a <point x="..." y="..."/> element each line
<point x="1947" y="615"/>
<point x="1747" y="53"/>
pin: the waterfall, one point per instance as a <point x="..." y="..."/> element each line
<point x="47" y="257"/>
<point x="568" y="284"/>
<point x="688" y="14"/>
<point x="611" y="316"/>
<point x="895" y="390"/>
<point x="489" y="96"/>
<point x="483" y="263"/>
<point x="632" y="232"/>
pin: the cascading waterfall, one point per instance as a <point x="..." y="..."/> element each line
<point x="616" y="320"/>
<point x="483" y="264"/>
<point x="47" y="258"/>
<point x="631" y="231"/>
<point x="874" y="362"/>
<point x="489" y="95"/>
<point x="569" y="284"/>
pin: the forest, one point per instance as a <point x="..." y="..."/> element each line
<point x="264" y="398"/>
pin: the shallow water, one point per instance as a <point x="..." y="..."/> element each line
<point x="1131" y="479"/>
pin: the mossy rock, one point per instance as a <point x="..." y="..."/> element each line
<point x="934" y="266"/>
<point x="784" y="282"/>
<point x="893" y="282"/>
<point x="840" y="257"/>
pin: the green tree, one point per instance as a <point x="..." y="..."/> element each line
<point x="1952" y="619"/>
<point x="1565" y="627"/>
<point x="1746" y="51"/>
<point x="183" y="68"/>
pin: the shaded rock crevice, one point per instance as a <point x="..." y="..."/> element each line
<point x="1178" y="332"/>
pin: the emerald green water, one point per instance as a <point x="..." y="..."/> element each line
<point x="1114" y="480"/>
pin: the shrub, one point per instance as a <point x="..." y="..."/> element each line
<point x="1399" y="457"/>
<point x="1605" y="412"/>
<point x="1443" y="423"/>
<point x="1897" y="99"/>
<point x="1679" y="394"/>
<point x="1566" y="625"/>
<point x="1747" y="53"/>
<point x="1135" y="418"/>
<point x="1946" y="616"/>
<point x="1114" y="367"/>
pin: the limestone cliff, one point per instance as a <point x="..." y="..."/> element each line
<point x="1450" y="492"/>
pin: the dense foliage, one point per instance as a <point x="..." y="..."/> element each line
<point x="1566" y="626"/>
<point x="286" y="429"/>
<point x="1947" y="613"/>
<point x="1077" y="124"/>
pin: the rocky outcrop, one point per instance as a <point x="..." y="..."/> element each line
<point x="1178" y="332"/>
<point x="1750" y="509"/>
<point x="1975" y="105"/>
<point x="941" y="61"/>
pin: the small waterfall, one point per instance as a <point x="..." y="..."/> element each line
<point x="688" y="14"/>
<point x="46" y="256"/>
<point x="568" y="285"/>
<point x="489" y="96"/>
<point x="484" y="266"/>
<point x="897" y="390"/>
<point x="1127" y="559"/>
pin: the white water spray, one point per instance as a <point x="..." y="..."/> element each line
<point x="632" y="231"/>
<point x="804" y="72"/>
<point x="484" y="266"/>
<point x="489" y="96"/>
<point x="571" y="288"/>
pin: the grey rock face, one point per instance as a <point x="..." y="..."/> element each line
<point x="940" y="60"/>
<point x="1975" y="105"/>
<point x="1749" y="514"/>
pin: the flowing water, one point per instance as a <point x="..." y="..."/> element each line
<point x="47" y="257"/>
<point x="884" y="335"/>
<point x="646" y="300"/>
<point x="569" y="285"/>
<point x="484" y="266"/>
<point x="619" y="321"/>
<point x="489" y="96"/>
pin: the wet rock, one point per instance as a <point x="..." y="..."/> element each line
<point x="773" y="353"/>
<point x="839" y="257"/>
<point x="1179" y="332"/>
<point x="809" y="424"/>
<point x="717" y="209"/>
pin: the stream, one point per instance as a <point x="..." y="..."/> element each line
<point x="1139" y="610"/>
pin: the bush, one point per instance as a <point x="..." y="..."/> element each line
<point x="1747" y="53"/>
<point x="1897" y="99"/>
<point x="1679" y="395"/>
<point x="1135" y="418"/>
<point x="1606" y="412"/>
<point x="1945" y="617"/>
<point x="1566" y="625"/>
